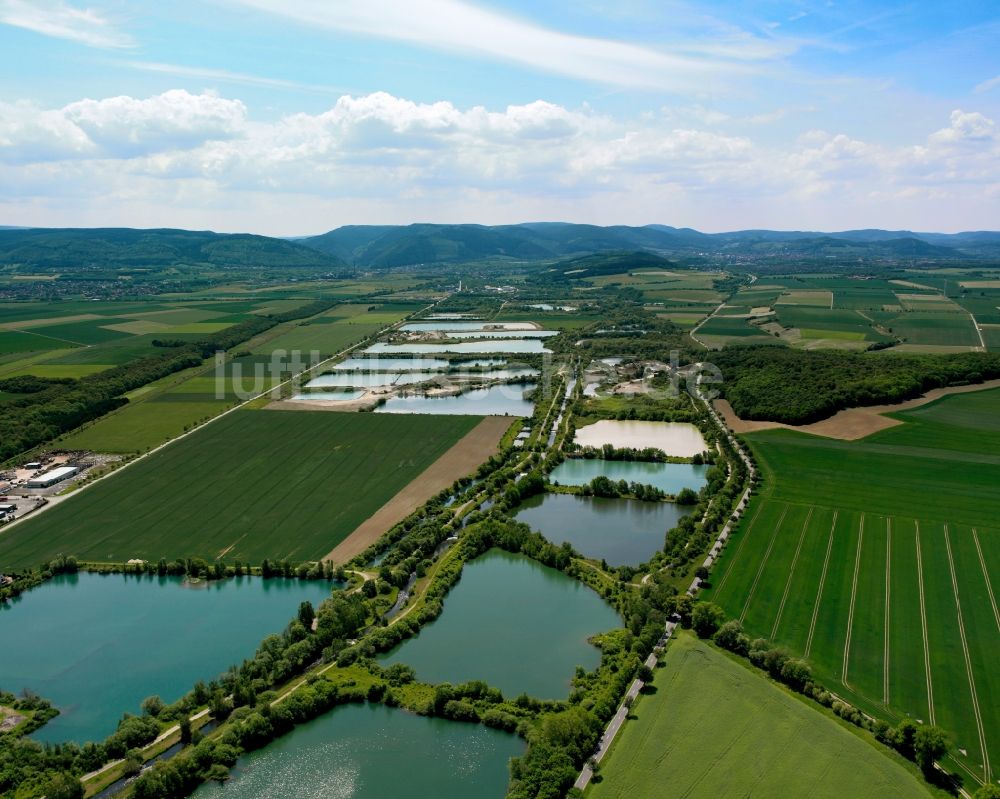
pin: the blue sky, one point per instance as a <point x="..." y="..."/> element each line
<point x="301" y="115"/>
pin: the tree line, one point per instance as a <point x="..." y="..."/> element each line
<point x="55" y="406"/>
<point x="924" y="744"/>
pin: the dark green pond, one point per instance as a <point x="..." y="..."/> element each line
<point x="624" y="532"/>
<point x="96" y="646"/>
<point x="520" y="626"/>
<point x="374" y="752"/>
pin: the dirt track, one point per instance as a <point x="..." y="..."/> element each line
<point x="462" y="459"/>
<point x="850" y="424"/>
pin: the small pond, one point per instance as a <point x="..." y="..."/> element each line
<point x="500" y="400"/>
<point x="624" y="532"/>
<point x="376" y="364"/>
<point x="680" y="439"/>
<point x="484" y="345"/>
<point x="337" y="396"/>
<point x="668" y="477"/>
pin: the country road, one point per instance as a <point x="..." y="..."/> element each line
<point x="621" y="715"/>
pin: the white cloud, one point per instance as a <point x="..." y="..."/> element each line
<point x="966" y="127"/>
<point x="380" y="158"/>
<point x="225" y="76"/>
<point x="116" y="127"/>
<point x="459" y="26"/>
<point x="64" y="21"/>
<point x="987" y="85"/>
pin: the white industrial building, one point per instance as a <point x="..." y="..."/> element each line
<point x="52" y="477"/>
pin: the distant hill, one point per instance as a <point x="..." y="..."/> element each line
<point x="612" y="263"/>
<point x="70" y="249"/>
<point x="381" y="247"/>
<point x="386" y="247"/>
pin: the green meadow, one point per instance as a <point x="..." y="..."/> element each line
<point x="716" y="728"/>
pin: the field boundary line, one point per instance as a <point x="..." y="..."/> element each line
<point x="791" y="574"/>
<point x="819" y="589"/>
<point x="739" y="548"/>
<point x="885" y="625"/>
<point x="968" y="659"/>
<point x="854" y="596"/>
<point x="57" y="499"/>
<point x="986" y="576"/>
<point x="923" y="627"/>
<point x="763" y="564"/>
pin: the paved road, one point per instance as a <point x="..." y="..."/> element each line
<point x="570" y="385"/>
<point x="608" y="737"/>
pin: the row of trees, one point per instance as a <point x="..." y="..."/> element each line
<point x="924" y="743"/>
<point x="601" y="486"/>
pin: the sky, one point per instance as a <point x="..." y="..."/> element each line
<point x="293" y="117"/>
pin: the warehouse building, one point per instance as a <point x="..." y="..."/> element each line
<point x="52" y="477"/>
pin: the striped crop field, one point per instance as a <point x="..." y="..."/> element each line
<point x="878" y="562"/>
<point x="285" y="485"/>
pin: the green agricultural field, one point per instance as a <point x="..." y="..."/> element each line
<point x="28" y="341"/>
<point x="876" y="560"/>
<point x="716" y="728"/>
<point x="681" y="295"/>
<point x="252" y="485"/>
<point x="828" y="323"/>
<point x="735" y="326"/>
<point x="330" y="333"/>
<point x="991" y="335"/>
<point x="984" y="305"/>
<point x="141" y="426"/>
<point x="938" y="329"/>
<point x="93" y="336"/>
<point x="165" y="408"/>
<point x="822" y="299"/>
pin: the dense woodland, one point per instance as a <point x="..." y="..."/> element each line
<point x="781" y="384"/>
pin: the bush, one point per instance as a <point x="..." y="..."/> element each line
<point x="731" y="636"/>
<point x="706" y="618"/>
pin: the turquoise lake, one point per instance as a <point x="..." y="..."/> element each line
<point x="97" y="645"/>
<point x="375" y="752"/>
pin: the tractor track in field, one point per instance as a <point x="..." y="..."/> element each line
<point x="791" y="574"/>
<point x="968" y="659"/>
<point x="819" y="589"/>
<point x="763" y="564"/>
<point x="854" y="597"/>
<point x="888" y="591"/>
<point x="739" y="549"/>
<point x="923" y="627"/>
<point x="986" y="577"/>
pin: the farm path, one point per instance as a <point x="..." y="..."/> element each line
<point x="468" y="453"/>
